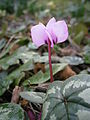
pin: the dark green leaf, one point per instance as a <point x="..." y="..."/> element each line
<point x="11" y="111"/>
<point x="69" y="100"/>
<point x="72" y="60"/>
<point x="87" y="6"/>
<point x="8" y="48"/>
<point x="2" y="43"/>
<point x="25" y="56"/>
<point x="86" y="54"/>
<point x="79" y="30"/>
<point x="36" y="97"/>
<point x="15" y="76"/>
<point x="19" y="29"/>
<point x="32" y="46"/>
<point x="3" y="75"/>
<point x="41" y="77"/>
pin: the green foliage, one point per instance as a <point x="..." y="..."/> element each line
<point x="19" y="29"/>
<point x="20" y="6"/>
<point x="35" y="97"/>
<point x="14" y="58"/>
<point x="68" y="100"/>
<point x="87" y="54"/>
<point x="56" y="8"/>
<point x="35" y="6"/>
<point x="41" y="77"/>
<point x="15" y="77"/>
<point x="12" y="6"/>
<point x="77" y="10"/>
<point x="7" y="5"/>
<point x="32" y="7"/>
<point x="2" y="43"/>
<point x="3" y="83"/>
<point x="78" y="32"/>
<point x="29" y="58"/>
<point x="72" y="60"/>
<point x="9" y="111"/>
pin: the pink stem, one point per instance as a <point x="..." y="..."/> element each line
<point x="50" y="65"/>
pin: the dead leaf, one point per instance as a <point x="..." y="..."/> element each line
<point x="13" y="48"/>
<point x="24" y="102"/>
<point x="10" y="17"/>
<point x="66" y="73"/>
<point x="68" y="51"/>
<point x="39" y="66"/>
<point x="15" y="94"/>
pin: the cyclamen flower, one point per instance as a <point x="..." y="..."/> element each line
<point x="56" y="32"/>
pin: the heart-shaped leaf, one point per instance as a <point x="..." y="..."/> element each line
<point x="41" y="77"/>
<point x="9" y="111"/>
<point x="69" y="100"/>
<point x="36" y="97"/>
<point x="15" y="76"/>
<point x="25" y="56"/>
<point x="72" y="60"/>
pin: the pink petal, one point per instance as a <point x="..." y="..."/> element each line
<point x="60" y="30"/>
<point x="50" y="24"/>
<point x="38" y="34"/>
<point x="49" y="38"/>
<point x="49" y="27"/>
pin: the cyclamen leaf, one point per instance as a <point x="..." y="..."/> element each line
<point x="14" y="58"/>
<point x="72" y="60"/>
<point x="41" y="77"/>
<point x="9" y="111"/>
<point x="15" y="76"/>
<point x="8" y="48"/>
<point x="2" y="43"/>
<point x="25" y="56"/>
<point x="36" y="97"/>
<point x="69" y="100"/>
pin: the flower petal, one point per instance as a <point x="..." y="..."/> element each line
<point x="38" y="34"/>
<point x="50" y="24"/>
<point x="49" y="27"/>
<point x="60" y="30"/>
<point x="49" y="38"/>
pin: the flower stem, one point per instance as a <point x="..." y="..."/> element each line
<point x="50" y="65"/>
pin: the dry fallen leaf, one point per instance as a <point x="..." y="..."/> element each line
<point x="66" y="73"/>
<point x="68" y="51"/>
<point x="15" y="94"/>
<point x="24" y="102"/>
<point x="39" y="66"/>
<point x="16" y="46"/>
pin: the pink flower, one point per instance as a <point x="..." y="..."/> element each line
<point x="56" y="32"/>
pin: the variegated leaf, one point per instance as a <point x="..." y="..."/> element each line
<point x="69" y="100"/>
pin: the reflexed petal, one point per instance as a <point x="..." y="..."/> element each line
<point x="49" y="27"/>
<point x="60" y="29"/>
<point x="50" y="24"/>
<point x="38" y="34"/>
<point x="49" y="38"/>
